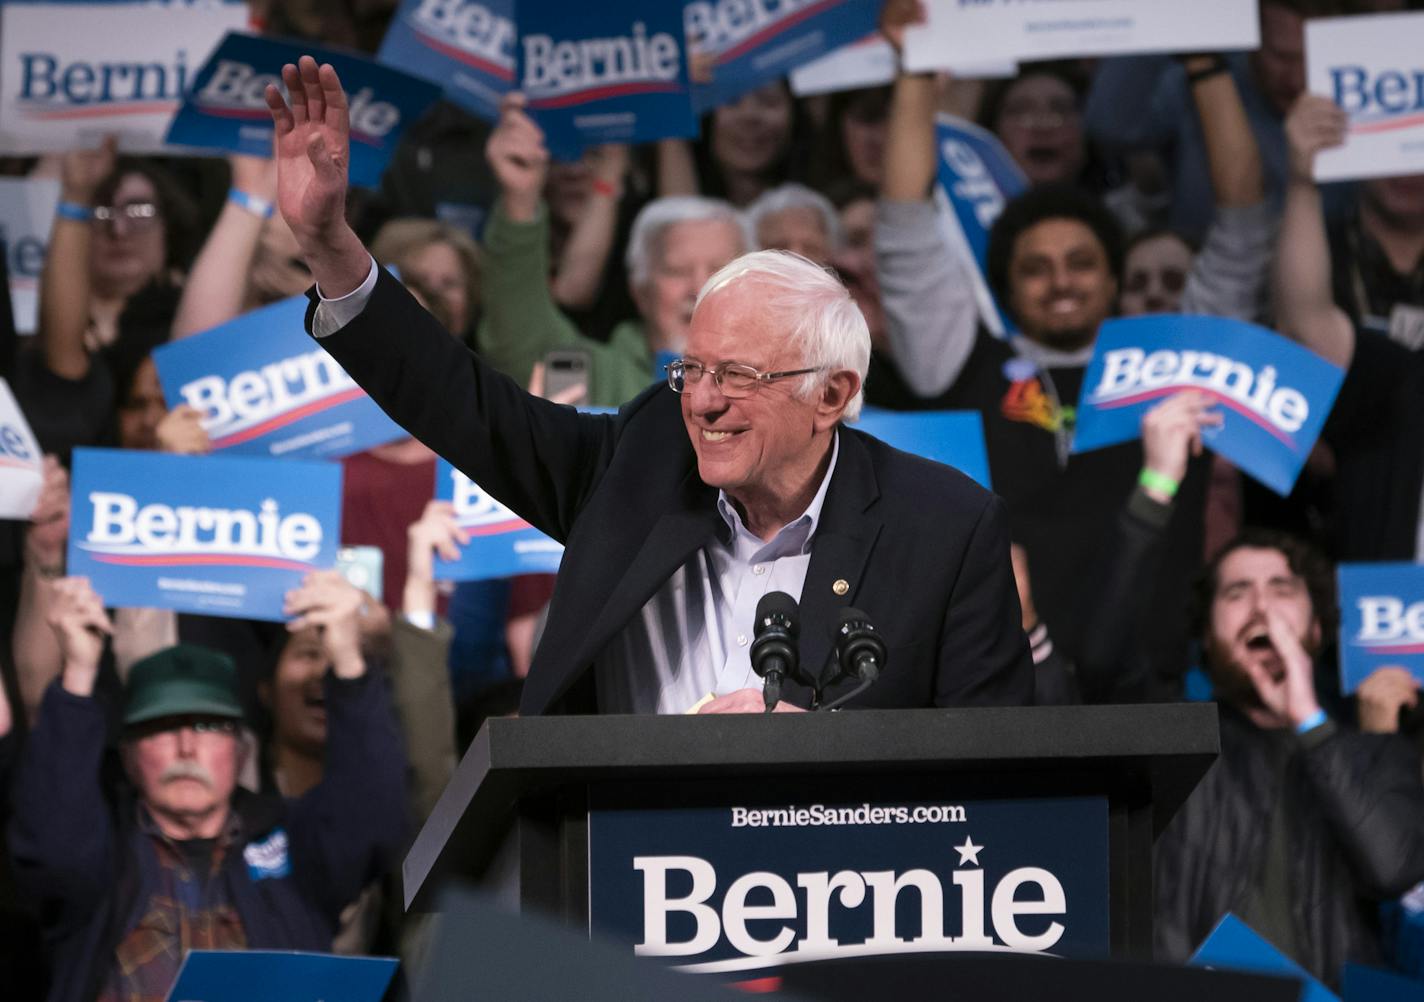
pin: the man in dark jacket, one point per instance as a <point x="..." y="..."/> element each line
<point x="1301" y="827"/>
<point x="129" y="876"/>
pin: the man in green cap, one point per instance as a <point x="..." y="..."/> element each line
<point x="130" y="876"/>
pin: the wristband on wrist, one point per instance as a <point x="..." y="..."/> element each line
<point x="1216" y="68"/>
<point x="259" y="207"/>
<point x="605" y="188"/>
<point x="1311" y="722"/>
<point x="75" y="211"/>
<point x="1155" y="481"/>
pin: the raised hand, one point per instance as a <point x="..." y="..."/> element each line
<point x="518" y="157"/>
<point x="328" y="601"/>
<point x="82" y="171"/>
<point x="312" y="147"/>
<point x="80" y="625"/>
<point x="1172" y="434"/>
<point x="181" y="432"/>
<point x="1315" y="123"/>
<point x="896" y="16"/>
<point x="435" y="533"/>
<point x="1288" y="695"/>
<point x="48" y="531"/>
<point x="1382" y="695"/>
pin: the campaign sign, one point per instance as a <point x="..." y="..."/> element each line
<point x="501" y="543"/>
<point x="752" y="43"/>
<point x="225" y="108"/>
<point x="281" y="976"/>
<point x="73" y="71"/>
<point x="265" y="388"/>
<point x="1235" y="946"/>
<point x="1373" y="68"/>
<point x="26" y="215"/>
<point x="1273" y="395"/>
<point x="963" y="32"/>
<point x="747" y="887"/>
<point x="465" y="46"/>
<point x="610" y="72"/>
<point x="954" y="438"/>
<point x="977" y="178"/>
<point x="21" y="461"/>
<point x="1381" y="620"/>
<point x="207" y="534"/>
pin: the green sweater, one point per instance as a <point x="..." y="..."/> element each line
<point x="522" y="323"/>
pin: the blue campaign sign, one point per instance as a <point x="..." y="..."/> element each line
<point x="267" y="389"/>
<point x="751" y="886"/>
<point x="954" y="438"/>
<point x="465" y="46"/>
<point x="206" y="534"/>
<point x="1233" y="945"/>
<point x="280" y="976"/>
<point x="610" y="72"/>
<point x="977" y="178"/>
<point x="501" y="543"/>
<point x="225" y="108"/>
<point x="1381" y="620"/>
<point x="1273" y="395"/>
<point x="753" y="43"/>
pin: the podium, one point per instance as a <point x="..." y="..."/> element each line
<point x="1068" y="801"/>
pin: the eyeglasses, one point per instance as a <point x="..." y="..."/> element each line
<point x="732" y="379"/>
<point x="139" y="215"/>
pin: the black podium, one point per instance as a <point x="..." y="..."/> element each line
<point x="516" y="817"/>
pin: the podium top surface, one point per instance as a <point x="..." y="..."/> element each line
<point x="1166" y="747"/>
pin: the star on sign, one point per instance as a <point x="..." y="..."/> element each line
<point x="968" y="852"/>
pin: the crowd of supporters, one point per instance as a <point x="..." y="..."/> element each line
<point x="312" y="751"/>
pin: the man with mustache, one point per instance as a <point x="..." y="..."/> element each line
<point x="129" y="876"/>
<point x="1301" y="827"/>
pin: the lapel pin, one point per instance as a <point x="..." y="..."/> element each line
<point x="841" y="586"/>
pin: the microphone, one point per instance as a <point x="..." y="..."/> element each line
<point x="859" y="653"/>
<point x="774" y="653"/>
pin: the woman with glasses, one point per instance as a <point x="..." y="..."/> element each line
<point x="111" y="275"/>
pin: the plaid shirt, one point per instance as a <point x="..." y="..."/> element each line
<point x="181" y="911"/>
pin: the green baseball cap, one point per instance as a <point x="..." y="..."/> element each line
<point x="181" y="681"/>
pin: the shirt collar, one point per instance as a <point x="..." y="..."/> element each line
<point x="795" y="536"/>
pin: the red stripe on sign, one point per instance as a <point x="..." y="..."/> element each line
<point x="776" y="29"/>
<point x="281" y="420"/>
<point x="599" y="93"/>
<point x="495" y="528"/>
<point x="468" y="58"/>
<point x="1220" y="398"/>
<point x="1390" y="125"/>
<point x="200" y="560"/>
<point x="106" y="111"/>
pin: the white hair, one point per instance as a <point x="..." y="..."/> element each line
<point x="812" y="305"/>
<point x="789" y="197"/>
<point x="645" y="240"/>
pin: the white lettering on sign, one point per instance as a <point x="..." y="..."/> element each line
<point x="1385" y="619"/>
<point x="470" y="27"/>
<point x="722" y="24"/>
<point x="254" y="396"/>
<point x="850" y="889"/>
<point x="1128" y="372"/>
<point x="119" y="526"/>
<point x="239" y="87"/>
<point x="562" y="67"/>
<point x="1384" y="94"/>
<point x="975" y="183"/>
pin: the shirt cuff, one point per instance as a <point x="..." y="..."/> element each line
<point x="333" y="314"/>
<point x="421" y="618"/>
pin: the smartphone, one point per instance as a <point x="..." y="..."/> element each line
<point x="565" y="368"/>
<point x="362" y="565"/>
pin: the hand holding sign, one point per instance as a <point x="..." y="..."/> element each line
<point x="49" y="525"/>
<point x="80" y="624"/>
<point x="1315" y="123"/>
<point x="312" y="145"/>
<point x="435" y="532"/>
<point x="896" y="16"/>
<point x="328" y="601"/>
<point x="519" y="158"/>
<point x="1172" y="434"/>
<point x="181" y="432"/>
<point x="82" y="171"/>
<point x="1382" y="696"/>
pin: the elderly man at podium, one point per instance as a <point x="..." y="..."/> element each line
<point x="735" y="479"/>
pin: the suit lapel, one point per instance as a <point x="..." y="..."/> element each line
<point x="841" y="548"/>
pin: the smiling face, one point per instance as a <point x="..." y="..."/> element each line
<point x="750" y="135"/>
<point x="762" y="449"/>
<point x="1061" y="286"/>
<point x="1251" y="581"/>
<point x="296" y="697"/>
<point x="685" y="256"/>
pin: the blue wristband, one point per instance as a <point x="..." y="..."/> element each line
<point x="1311" y="722"/>
<point x="75" y="211"/>
<point x="259" y="207"/>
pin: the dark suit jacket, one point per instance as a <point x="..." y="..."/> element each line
<point x="924" y="550"/>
